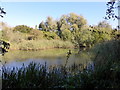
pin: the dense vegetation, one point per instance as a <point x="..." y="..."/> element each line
<point x="68" y="30"/>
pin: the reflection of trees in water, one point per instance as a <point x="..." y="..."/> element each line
<point x="75" y="60"/>
<point x="51" y="55"/>
<point x="77" y="65"/>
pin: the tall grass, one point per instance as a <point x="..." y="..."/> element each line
<point x="107" y="52"/>
<point x="107" y="64"/>
<point x="41" y="44"/>
<point x="40" y="76"/>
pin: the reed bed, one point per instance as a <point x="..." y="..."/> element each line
<point x="41" y="44"/>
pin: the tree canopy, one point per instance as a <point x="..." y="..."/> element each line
<point x="22" y="28"/>
<point x="70" y="27"/>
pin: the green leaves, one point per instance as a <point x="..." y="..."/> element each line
<point x="66" y="35"/>
<point x="48" y="25"/>
<point x="2" y="12"/>
<point x="22" y="29"/>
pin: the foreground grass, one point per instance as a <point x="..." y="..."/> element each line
<point x="105" y="73"/>
<point x="40" y="76"/>
<point x="107" y="64"/>
<point x="41" y="44"/>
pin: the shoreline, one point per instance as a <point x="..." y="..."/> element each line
<point x="32" y="49"/>
<point x="41" y="45"/>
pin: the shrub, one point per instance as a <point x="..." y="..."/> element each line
<point x="66" y="35"/>
<point x="35" y="35"/>
<point x="51" y="35"/>
<point x="107" y="62"/>
<point x="22" y="29"/>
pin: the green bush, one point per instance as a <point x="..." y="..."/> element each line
<point x="35" y="35"/>
<point x="107" y="62"/>
<point x="51" y="35"/>
<point x="107" y="51"/>
<point x="66" y="35"/>
<point x="22" y="29"/>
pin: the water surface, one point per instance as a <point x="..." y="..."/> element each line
<point x="50" y="56"/>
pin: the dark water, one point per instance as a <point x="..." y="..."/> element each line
<point x="51" y="57"/>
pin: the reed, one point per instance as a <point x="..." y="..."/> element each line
<point x="39" y="76"/>
<point x="41" y="44"/>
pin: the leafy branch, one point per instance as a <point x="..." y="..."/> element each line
<point x="2" y="12"/>
<point x="110" y="13"/>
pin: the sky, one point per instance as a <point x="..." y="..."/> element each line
<point x="56" y="0"/>
<point x="32" y="13"/>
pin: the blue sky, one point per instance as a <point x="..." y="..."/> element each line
<point x="32" y="13"/>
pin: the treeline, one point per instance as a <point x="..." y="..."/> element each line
<point x="72" y="28"/>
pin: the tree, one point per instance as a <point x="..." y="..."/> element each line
<point x="110" y="12"/>
<point x="76" y="19"/>
<point x="62" y="24"/>
<point x="42" y="26"/>
<point x="71" y="22"/>
<point x="74" y="28"/>
<point x="50" y="35"/>
<point x="70" y="19"/>
<point x="66" y="35"/>
<point x="50" y="24"/>
<point x="101" y="32"/>
<point x="104" y="24"/>
<point x="83" y="38"/>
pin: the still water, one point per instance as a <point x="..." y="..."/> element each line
<point x="51" y="57"/>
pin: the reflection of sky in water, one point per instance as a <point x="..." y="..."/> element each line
<point x="57" y="61"/>
<point x="17" y="58"/>
<point x="0" y="69"/>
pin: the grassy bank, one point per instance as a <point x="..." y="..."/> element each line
<point x="40" y="44"/>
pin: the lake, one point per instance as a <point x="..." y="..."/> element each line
<point x="53" y="57"/>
